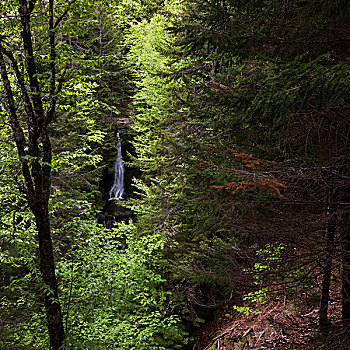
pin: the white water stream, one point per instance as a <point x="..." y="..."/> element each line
<point x="117" y="189"/>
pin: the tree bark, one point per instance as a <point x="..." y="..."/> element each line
<point x="346" y="284"/>
<point x="327" y="268"/>
<point x="47" y="269"/>
<point x="345" y="239"/>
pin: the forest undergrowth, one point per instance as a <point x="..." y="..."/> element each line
<point x="284" y="320"/>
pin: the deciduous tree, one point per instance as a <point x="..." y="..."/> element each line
<point x="30" y="91"/>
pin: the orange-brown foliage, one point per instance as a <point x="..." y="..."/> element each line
<point x="268" y="186"/>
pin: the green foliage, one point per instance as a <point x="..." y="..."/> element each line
<point x="110" y="296"/>
<point x="267" y="265"/>
<point x="262" y="77"/>
<point x="78" y="135"/>
<point x="115" y="297"/>
<point x="166" y="150"/>
<point x="271" y="256"/>
<point x="23" y="319"/>
<point x="229" y="30"/>
<point x="246" y="310"/>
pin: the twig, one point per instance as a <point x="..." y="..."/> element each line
<point x="221" y="335"/>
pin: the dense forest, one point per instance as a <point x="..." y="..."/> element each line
<point x="174" y="174"/>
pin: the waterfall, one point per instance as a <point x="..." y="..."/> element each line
<point x="117" y="189"/>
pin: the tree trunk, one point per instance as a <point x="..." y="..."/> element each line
<point x="34" y="147"/>
<point x="345" y="238"/>
<point x="327" y="268"/>
<point x="47" y="269"/>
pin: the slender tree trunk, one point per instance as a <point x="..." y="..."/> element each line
<point x="215" y="65"/>
<point x="345" y="238"/>
<point x="327" y="268"/>
<point x="346" y="285"/>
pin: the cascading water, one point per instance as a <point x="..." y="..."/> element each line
<point x="113" y="212"/>
<point x="117" y="189"/>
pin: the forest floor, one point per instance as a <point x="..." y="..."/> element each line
<point x="279" y="323"/>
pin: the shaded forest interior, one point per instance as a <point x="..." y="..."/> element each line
<point x="228" y="216"/>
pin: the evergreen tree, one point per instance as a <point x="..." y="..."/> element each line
<point x="261" y="79"/>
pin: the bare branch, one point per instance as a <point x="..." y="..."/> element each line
<point x="60" y="18"/>
<point x="30" y="61"/>
<point x="52" y="49"/>
<point x="18" y="133"/>
<point x="53" y="91"/>
<point x="27" y="103"/>
<point x="53" y="98"/>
